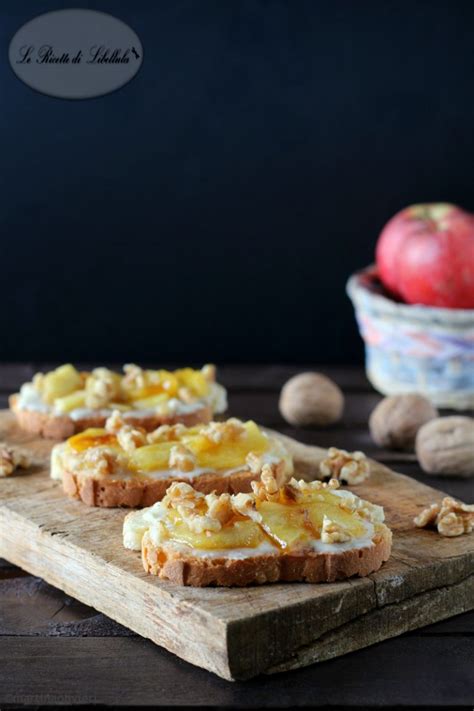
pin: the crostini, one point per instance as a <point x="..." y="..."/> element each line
<point x="123" y="465"/>
<point x="64" y="401"/>
<point x="299" y="531"/>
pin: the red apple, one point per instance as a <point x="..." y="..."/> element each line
<point x="425" y="255"/>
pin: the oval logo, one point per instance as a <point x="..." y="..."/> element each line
<point x="75" y="54"/>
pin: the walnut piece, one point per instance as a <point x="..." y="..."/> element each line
<point x="218" y="432"/>
<point x="135" y="377"/>
<point x="129" y="438"/>
<point x="332" y="532"/>
<point x="115" y="422"/>
<point x="451" y="517"/>
<point x="244" y="504"/>
<point x="352" y="467"/>
<point x="267" y="488"/>
<point x="280" y="469"/>
<point x="427" y="516"/>
<point x="102" y="387"/>
<point x="254" y="463"/>
<point x="200" y="513"/>
<point x="182" y="494"/>
<point x="446" y="446"/>
<point x="453" y="524"/>
<point x="304" y="487"/>
<point x="12" y="458"/>
<point x="219" y="507"/>
<point x="101" y="461"/>
<point x="311" y="399"/>
<point x="199" y="523"/>
<point x="182" y="458"/>
<point x="166" y="433"/>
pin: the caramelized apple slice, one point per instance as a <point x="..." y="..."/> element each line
<point x="286" y="524"/>
<point x="157" y="382"/>
<point x="60" y="382"/>
<point x="151" y="402"/>
<point x="237" y="534"/>
<point x="152" y="457"/>
<point x="349" y="521"/>
<point x="227" y="455"/>
<point x="67" y="403"/>
<point x="92" y="437"/>
<point x="167" y="381"/>
<point x="194" y="380"/>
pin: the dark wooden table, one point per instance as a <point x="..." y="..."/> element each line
<point x="55" y="650"/>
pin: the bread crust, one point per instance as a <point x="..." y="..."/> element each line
<point x="310" y="567"/>
<point x="52" y="426"/>
<point x="138" y="492"/>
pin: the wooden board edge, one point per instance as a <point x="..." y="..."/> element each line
<point x="45" y="555"/>
<point x="384" y="623"/>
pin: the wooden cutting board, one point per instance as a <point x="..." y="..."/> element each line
<point x="242" y="632"/>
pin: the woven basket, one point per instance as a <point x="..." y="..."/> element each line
<point x="412" y="348"/>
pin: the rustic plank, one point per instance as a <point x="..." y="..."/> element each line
<point x="235" y="633"/>
<point x="29" y="606"/>
<point x="128" y="672"/>
<point x="383" y="623"/>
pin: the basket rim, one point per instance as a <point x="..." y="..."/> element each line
<point x="357" y="289"/>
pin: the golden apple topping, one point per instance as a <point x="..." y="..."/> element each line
<point x="66" y="389"/>
<point x="294" y="516"/>
<point x="216" y="447"/>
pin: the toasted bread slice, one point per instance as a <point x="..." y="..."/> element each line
<point x="51" y="426"/>
<point x="133" y="492"/>
<point x="125" y="466"/>
<point x="183" y="568"/>
<point x="65" y="401"/>
<point x="309" y="532"/>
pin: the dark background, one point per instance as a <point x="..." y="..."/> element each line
<point x="213" y="208"/>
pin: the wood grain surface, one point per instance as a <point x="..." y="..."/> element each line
<point x="39" y="622"/>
